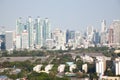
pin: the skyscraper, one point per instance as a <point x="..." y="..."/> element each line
<point x="96" y="37"/>
<point x="46" y="30"/>
<point x="110" y="36"/>
<point x="90" y="34"/>
<point x="19" y="26"/>
<point x="103" y="39"/>
<point x="30" y="27"/>
<point x="39" y="32"/>
<point x="9" y="40"/>
<point x="24" y="40"/>
<point x="103" y="26"/>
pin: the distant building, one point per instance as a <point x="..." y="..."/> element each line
<point x="9" y="40"/>
<point x="90" y="34"/>
<point x="87" y="58"/>
<point x="60" y="39"/>
<point x="78" y="38"/>
<point x="2" y="41"/>
<point x="39" y="32"/>
<point x="71" y="34"/>
<point x="30" y="26"/>
<point x="110" y="36"/>
<point x="25" y="40"/>
<point x="96" y="37"/>
<point x="100" y="65"/>
<point x="46" y="30"/>
<point x="19" y="26"/>
<point x="103" y="39"/>
<point x="117" y="66"/>
<point x="50" y="43"/>
<point x="18" y="42"/>
<point x="116" y="32"/>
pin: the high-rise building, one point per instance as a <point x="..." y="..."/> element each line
<point x="110" y="36"/>
<point x="25" y="40"/>
<point x="46" y="30"/>
<point x="96" y="37"/>
<point x="19" y="26"/>
<point x="103" y="26"/>
<point x="117" y="66"/>
<point x="67" y="36"/>
<point x="30" y="26"/>
<point x="18" y="42"/>
<point x="2" y="41"/>
<point x="116" y="32"/>
<point x="77" y="39"/>
<point x="19" y="29"/>
<point x="39" y="32"/>
<point x="90" y="34"/>
<point x="9" y="40"/>
<point x="103" y="39"/>
<point x="100" y="65"/>
<point x="72" y="35"/>
<point x="59" y="38"/>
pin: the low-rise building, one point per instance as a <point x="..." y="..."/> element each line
<point x="72" y="67"/>
<point x="61" y="68"/>
<point x="117" y="66"/>
<point x="37" y="68"/>
<point x="48" y="67"/>
<point x="100" y="65"/>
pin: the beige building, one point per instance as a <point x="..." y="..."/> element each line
<point x="116" y="33"/>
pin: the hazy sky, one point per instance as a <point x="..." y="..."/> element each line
<point x="65" y="14"/>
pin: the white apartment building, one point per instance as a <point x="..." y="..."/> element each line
<point x="61" y="68"/>
<point x="72" y="67"/>
<point x="100" y="65"/>
<point x="117" y="66"/>
<point x="18" y="42"/>
<point x="48" y="67"/>
<point x="25" y="40"/>
<point x="37" y="68"/>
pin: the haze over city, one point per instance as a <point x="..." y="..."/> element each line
<point x="65" y="14"/>
<point x="60" y="40"/>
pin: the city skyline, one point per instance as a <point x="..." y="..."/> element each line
<point x="73" y="15"/>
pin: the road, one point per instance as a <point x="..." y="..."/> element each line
<point x="12" y="59"/>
